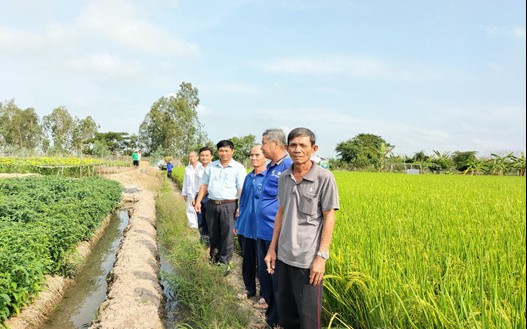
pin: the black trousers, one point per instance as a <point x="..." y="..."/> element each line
<point x="249" y="254"/>
<point x="220" y="222"/>
<point x="268" y="285"/>
<point x="300" y="303"/>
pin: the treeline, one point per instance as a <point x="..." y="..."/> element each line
<point x="23" y="132"/>
<point x="172" y="128"/>
<point x="368" y="152"/>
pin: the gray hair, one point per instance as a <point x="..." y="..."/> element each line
<point x="275" y="135"/>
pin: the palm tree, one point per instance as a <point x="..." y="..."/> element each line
<point x="474" y="166"/>
<point x="501" y="164"/>
<point x="382" y="152"/>
<point x="519" y="164"/>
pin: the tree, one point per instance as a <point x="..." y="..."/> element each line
<point x="440" y="161"/>
<point x="110" y="143"/>
<point x="172" y="125"/>
<point x="363" y="151"/>
<point x="382" y="152"/>
<point x="59" y="126"/>
<point x="242" y="147"/>
<point x="519" y="164"/>
<point x="474" y="166"/>
<point x="499" y="164"/>
<point x="462" y="159"/>
<point x="20" y="129"/>
<point x="85" y="129"/>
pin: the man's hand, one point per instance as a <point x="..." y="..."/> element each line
<point x="270" y="260"/>
<point x="197" y="207"/>
<point x="317" y="270"/>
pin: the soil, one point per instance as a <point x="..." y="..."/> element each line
<point x="135" y="297"/>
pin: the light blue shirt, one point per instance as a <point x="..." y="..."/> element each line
<point x="224" y="183"/>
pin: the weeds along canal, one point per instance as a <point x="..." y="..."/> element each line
<point x="80" y="303"/>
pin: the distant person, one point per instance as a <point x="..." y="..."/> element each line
<point x="205" y="157"/>
<point x="170" y="167"/>
<point x="223" y="181"/>
<point x="189" y="188"/>
<point x="245" y="226"/>
<point x="303" y="229"/>
<point x="135" y="158"/>
<point x="274" y="149"/>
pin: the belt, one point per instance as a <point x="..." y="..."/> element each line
<point x="218" y="202"/>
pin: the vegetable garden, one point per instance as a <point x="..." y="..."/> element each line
<point x="42" y="219"/>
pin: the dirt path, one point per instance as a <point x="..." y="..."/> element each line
<point x="135" y="296"/>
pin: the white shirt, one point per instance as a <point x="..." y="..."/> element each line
<point x="191" y="181"/>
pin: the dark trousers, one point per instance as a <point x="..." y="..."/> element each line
<point x="202" y="216"/>
<point x="300" y="302"/>
<point x="268" y="284"/>
<point x="220" y="221"/>
<point x="249" y="254"/>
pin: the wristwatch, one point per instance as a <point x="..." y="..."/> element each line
<point x="324" y="255"/>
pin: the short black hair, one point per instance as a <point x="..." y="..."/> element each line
<point x="225" y="143"/>
<point x="205" y="148"/>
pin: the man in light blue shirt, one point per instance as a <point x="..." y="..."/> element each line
<point x="223" y="181"/>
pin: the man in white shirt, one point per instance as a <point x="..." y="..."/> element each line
<point x="190" y="186"/>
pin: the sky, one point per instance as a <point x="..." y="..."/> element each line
<point x="424" y="75"/>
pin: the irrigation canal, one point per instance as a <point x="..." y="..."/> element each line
<point x="80" y="303"/>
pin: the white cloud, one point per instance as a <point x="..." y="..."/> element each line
<point x="107" y="64"/>
<point x="117" y="21"/>
<point x="19" y="41"/>
<point x="370" y="68"/>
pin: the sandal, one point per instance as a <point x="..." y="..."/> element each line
<point x="261" y="304"/>
<point x="245" y="295"/>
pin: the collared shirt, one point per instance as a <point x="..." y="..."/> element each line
<point x="304" y="204"/>
<point x="268" y="203"/>
<point x="252" y="188"/>
<point x="224" y="183"/>
<point x="189" y="180"/>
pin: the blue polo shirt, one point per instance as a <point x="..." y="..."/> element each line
<point x="252" y="188"/>
<point x="267" y="206"/>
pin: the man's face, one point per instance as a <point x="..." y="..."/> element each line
<point x="225" y="153"/>
<point x="256" y="157"/>
<point x="192" y="158"/>
<point x="300" y="149"/>
<point x="267" y="147"/>
<point x="205" y="157"/>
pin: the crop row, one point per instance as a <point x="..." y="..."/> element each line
<point x="60" y="166"/>
<point x="42" y="219"/>
<point x="428" y="251"/>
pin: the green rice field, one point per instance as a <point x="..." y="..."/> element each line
<point x="427" y="251"/>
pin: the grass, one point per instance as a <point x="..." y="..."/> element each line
<point x="205" y="297"/>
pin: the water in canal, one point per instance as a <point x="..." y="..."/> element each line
<point x="81" y="302"/>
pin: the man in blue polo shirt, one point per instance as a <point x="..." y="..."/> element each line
<point x="245" y="226"/>
<point x="274" y="149"/>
